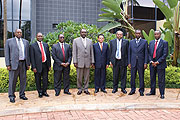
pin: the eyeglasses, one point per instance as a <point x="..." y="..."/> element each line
<point x="61" y="37"/>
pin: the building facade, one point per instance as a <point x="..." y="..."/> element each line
<point x="34" y="16"/>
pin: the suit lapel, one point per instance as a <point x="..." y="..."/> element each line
<point x="15" y="42"/>
<point x="140" y="41"/>
<point x="60" y="48"/>
<point x="159" y="45"/>
<point x="37" y="46"/>
<point x="82" y="44"/>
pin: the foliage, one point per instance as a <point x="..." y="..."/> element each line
<point x="172" y="79"/>
<point x="172" y="25"/>
<point x="71" y="30"/>
<point x="114" y="14"/>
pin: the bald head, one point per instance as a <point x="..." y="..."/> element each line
<point x="119" y="34"/>
<point x="157" y="34"/>
<point x="138" y="33"/>
<point x="39" y="36"/>
<point x="18" y="33"/>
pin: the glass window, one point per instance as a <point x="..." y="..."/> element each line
<point x="24" y="6"/>
<point x="9" y="29"/>
<point x="25" y="10"/>
<point x="9" y="9"/>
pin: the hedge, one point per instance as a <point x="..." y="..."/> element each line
<point x="172" y="79"/>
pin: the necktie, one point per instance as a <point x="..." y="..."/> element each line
<point x="101" y="46"/>
<point x="42" y="52"/>
<point x="20" y="50"/>
<point x="155" y="47"/>
<point x="63" y="52"/>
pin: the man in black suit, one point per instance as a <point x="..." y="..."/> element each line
<point x="17" y="63"/>
<point x="158" y="51"/>
<point x="101" y="57"/>
<point x="119" y="61"/>
<point x="40" y="64"/>
<point x="137" y="61"/>
<point x="62" y="55"/>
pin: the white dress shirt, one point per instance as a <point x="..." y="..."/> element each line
<point x="119" y="42"/>
<point x="22" y="45"/>
<point x="61" y="45"/>
<point x="84" y="41"/>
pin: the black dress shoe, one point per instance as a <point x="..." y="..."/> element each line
<point x="141" y="94"/>
<point x="96" y="91"/>
<point x="24" y="98"/>
<point x="87" y="92"/>
<point x="148" y="94"/>
<point x="104" y="91"/>
<point x="131" y="93"/>
<point x="79" y="92"/>
<point x="162" y="97"/>
<point x="45" y="94"/>
<point x="124" y="91"/>
<point x="114" y="90"/>
<point x="12" y="100"/>
<point x="57" y="93"/>
<point x="68" y="93"/>
<point x="40" y="95"/>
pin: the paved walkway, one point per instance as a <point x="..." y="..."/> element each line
<point x="100" y="115"/>
<point x="99" y="101"/>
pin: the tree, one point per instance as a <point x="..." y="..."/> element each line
<point x="115" y="15"/>
<point x="172" y="25"/>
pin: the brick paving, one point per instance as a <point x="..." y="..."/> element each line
<point x="152" y="114"/>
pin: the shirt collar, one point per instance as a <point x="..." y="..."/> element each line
<point x="137" y="39"/>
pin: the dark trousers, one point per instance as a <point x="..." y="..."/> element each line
<point x="140" y="70"/>
<point x="58" y="77"/>
<point x="44" y="75"/>
<point x="100" y="78"/>
<point x="13" y="75"/>
<point x="161" y="79"/>
<point x="119" y="71"/>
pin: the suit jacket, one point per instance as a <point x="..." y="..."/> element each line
<point x="36" y="57"/>
<point x="101" y="57"/>
<point x="57" y="55"/>
<point x="161" y="53"/>
<point x="124" y="52"/>
<point x="12" y="53"/>
<point x="83" y="56"/>
<point x="138" y="53"/>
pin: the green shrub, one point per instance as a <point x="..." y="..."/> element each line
<point x="71" y="31"/>
<point x="172" y="79"/>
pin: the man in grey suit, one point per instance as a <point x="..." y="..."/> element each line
<point x="83" y="58"/>
<point x="17" y="62"/>
<point x="62" y="56"/>
<point x="119" y="61"/>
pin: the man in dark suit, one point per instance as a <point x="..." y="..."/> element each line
<point x="17" y="62"/>
<point x="40" y="64"/>
<point x="119" y="61"/>
<point x="158" y="51"/>
<point x="101" y="58"/>
<point x="62" y="55"/>
<point x="137" y="61"/>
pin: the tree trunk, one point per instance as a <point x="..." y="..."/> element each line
<point x="5" y="21"/>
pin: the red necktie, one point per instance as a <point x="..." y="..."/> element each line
<point x="63" y="52"/>
<point x="42" y="52"/>
<point x="155" y="47"/>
